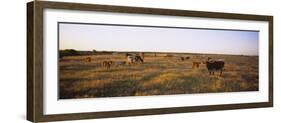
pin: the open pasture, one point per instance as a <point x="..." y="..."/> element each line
<point x="159" y="74"/>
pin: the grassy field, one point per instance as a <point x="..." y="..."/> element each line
<point x="159" y="75"/>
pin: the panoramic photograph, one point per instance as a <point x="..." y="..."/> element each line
<point x="111" y="60"/>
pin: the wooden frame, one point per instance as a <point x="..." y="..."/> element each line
<point x="35" y="60"/>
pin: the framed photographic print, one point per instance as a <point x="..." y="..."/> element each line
<point x="96" y="61"/>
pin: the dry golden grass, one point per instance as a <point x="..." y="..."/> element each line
<point x="160" y="75"/>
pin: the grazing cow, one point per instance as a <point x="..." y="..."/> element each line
<point x="195" y="64"/>
<point x="134" y="59"/>
<point x="187" y="57"/>
<point x="88" y="59"/>
<point x="107" y="64"/>
<point x="215" y="65"/>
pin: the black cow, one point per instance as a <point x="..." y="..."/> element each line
<point x="215" y="65"/>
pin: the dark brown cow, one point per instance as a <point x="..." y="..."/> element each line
<point x="88" y="59"/>
<point x="215" y="65"/>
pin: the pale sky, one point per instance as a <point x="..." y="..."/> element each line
<point x="156" y="39"/>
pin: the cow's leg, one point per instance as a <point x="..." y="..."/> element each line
<point x="221" y="73"/>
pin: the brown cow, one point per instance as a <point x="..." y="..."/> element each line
<point x="107" y="64"/>
<point x="195" y="64"/>
<point x="88" y="59"/>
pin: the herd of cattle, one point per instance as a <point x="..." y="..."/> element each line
<point x="211" y="64"/>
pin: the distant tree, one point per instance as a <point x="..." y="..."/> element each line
<point x="94" y="51"/>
